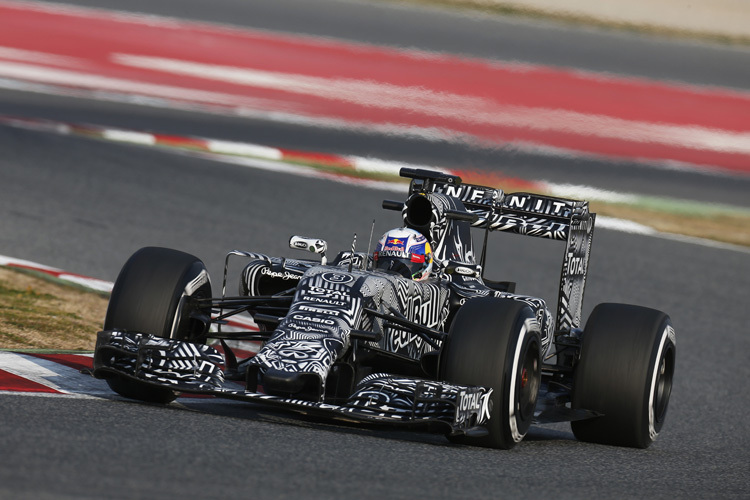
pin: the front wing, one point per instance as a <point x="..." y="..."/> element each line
<point x="378" y="399"/>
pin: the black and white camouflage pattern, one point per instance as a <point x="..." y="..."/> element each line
<point x="542" y="217"/>
<point x="391" y="396"/>
<point x="574" y="271"/>
<point x="315" y="331"/>
<point x="182" y="365"/>
<point x="329" y="303"/>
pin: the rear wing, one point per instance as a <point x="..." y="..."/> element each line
<point x="527" y="214"/>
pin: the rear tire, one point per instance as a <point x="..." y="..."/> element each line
<point x="148" y="298"/>
<point x="496" y="343"/>
<point x="625" y="373"/>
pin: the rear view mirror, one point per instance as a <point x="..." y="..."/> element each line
<point x="314" y="245"/>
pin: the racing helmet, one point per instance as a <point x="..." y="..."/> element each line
<point x="406" y="252"/>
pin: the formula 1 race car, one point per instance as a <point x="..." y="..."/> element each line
<point x="360" y="339"/>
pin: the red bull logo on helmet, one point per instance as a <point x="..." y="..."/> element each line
<point x="394" y="247"/>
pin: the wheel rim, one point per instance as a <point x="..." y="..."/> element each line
<point x="663" y="383"/>
<point x="527" y="383"/>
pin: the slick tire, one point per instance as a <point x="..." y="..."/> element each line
<point x="625" y="373"/>
<point x="496" y="343"/>
<point x="148" y="297"/>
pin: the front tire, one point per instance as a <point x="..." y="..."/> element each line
<point x="625" y="373"/>
<point x="149" y="297"/>
<point x="496" y="343"/>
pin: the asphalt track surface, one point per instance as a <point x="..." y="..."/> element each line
<point x="85" y="206"/>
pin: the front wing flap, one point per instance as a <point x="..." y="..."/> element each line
<point x="378" y="399"/>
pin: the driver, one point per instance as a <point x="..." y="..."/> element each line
<point x="406" y="252"/>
